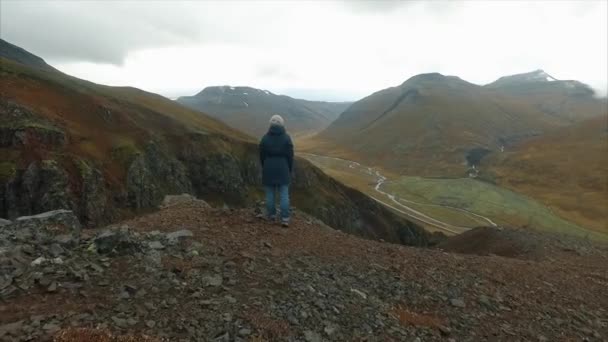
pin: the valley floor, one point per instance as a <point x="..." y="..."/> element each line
<point x="449" y="205"/>
<point x="237" y="278"/>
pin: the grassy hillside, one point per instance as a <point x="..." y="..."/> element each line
<point x="566" y="169"/>
<point x="431" y="124"/>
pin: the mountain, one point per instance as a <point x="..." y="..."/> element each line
<point x="249" y="109"/>
<point x="565" y="99"/>
<point x="565" y="169"/>
<point x="110" y="152"/>
<point x="438" y="125"/>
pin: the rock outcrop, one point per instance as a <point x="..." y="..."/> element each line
<point x="54" y="227"/>
<point x="40" y="187"/>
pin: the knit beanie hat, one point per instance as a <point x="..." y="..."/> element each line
<point x="277" y="120"/>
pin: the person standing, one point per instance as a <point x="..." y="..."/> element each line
<point x="276" y="157"/>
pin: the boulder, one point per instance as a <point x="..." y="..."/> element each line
<point x="117" y="241"/>
<point x="174" y="237"/>
<point x="57" y="226"/>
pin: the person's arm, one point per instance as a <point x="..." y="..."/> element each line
<point x="289" y="153"/>
<point x="262" y="152"/>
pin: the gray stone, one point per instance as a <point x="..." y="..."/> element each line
<point x="244" y="332"/>
<point x="4" y="222"/>
<point x="5" y="281"/>
<point x="120" y="322"/>
<point x="359" y="293"/>
<point x="51" y="327"/>
<point x="445" y="331"/>
<point x="330" y="329"/>
<point x="311" y="336"/>
<point x="458" y="302"/>
<point x="174" y="237"/>
<point x="214" y="280"/>
<point x="116" y="240"/>
<point x="52" y="287"/>
<point x="48" y="227"/>
<point x="56" y="250"/>
<point x="156" y="245"/>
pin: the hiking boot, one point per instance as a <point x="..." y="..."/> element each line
<point x="285" y="224"/>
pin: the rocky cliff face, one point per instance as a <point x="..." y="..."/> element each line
<point x="210" y="167"/>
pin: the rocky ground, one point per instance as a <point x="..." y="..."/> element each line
<point x="193" y="273"/>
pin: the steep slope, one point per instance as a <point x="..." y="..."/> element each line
<point x="107" y="152"/>
<point x="15" y="53"/>
<point x="437" y="125"/>
<point x="566" y="169"/>
<point x="196" y="273"/>
<point x="248" y="109"/>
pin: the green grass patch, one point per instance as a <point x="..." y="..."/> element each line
<point x="30" y="123"/>
<point x="8" y="170"/>
<point x="501" y="205"/>
<point x="124" y="151"/>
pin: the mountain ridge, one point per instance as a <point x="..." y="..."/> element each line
<point x="16" y="53"/>
<point x="249" y="109"/>
<point x="456" y="114"/>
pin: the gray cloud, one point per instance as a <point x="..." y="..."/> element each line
<point x="101" y="32"/>
<point x="345" y="48"/>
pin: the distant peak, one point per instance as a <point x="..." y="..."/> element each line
<point x="435" y="78"/>
<point x="541" y="75"/>
<point x="538" y="75"/>
<point x="232" y="90"/>
<point x="431" y="76"/>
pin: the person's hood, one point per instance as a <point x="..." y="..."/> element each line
<point x="276" y="130"/>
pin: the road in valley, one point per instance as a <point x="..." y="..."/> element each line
<point x="397" y="203"/>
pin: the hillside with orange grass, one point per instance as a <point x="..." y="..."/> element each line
<point x="436" y="125"/>
<point x="566" y="169"/>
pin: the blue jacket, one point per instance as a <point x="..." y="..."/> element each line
<point x="276" y="156"/>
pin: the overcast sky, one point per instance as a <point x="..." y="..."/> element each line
<point x="341" y="50"/>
